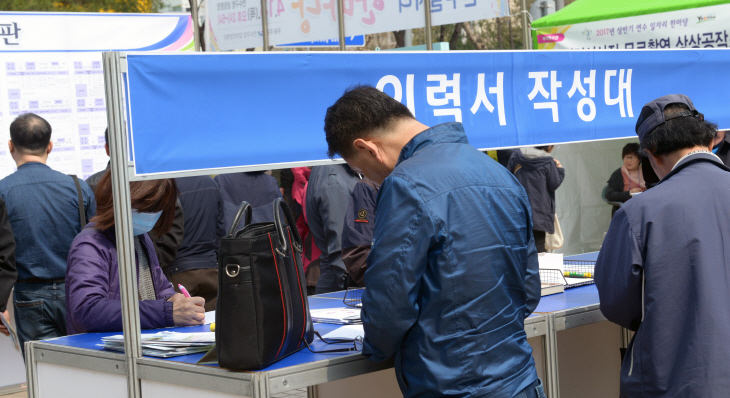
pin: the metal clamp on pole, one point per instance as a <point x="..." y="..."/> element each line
<point x="429" y="37"/>
<point x="123" y="219"/>
<point x="341" y="23"/>
<point x="265" y="24"/>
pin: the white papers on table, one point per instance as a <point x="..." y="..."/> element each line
<point x="347" y="332"/>
<point x="550" y="261"/>
<point x="209" y="317"/>
<point x="342" y="316"/>
<point x="165" y="344"/>
<point x="13" y="336"/>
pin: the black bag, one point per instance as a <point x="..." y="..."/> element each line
<point x="262" y="313"/>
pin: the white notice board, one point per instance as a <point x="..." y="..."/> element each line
<point x="51" y="65"/>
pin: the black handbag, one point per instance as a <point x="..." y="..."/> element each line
<point x="262" y="313"/>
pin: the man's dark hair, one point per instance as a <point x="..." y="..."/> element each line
<point x="679" y="133"/>
<point x="631" y="148"/>
<point x="361" y="111"/>
<point x="106" y="136"/>
<point x="30" y="133"/>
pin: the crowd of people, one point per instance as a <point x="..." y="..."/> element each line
<point x="453" y="253"/>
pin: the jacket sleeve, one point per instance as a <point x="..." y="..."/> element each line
<point x="357" y="233"/>
<point x="8" y="270"/>
<point x="404" y="232"/>
<point x="332" y="208"/>
<point x="619" y="271"/>
<point x="615" y="191"/>
<point x="512" y="162"/>
<point x="533" y="288"/>
<point x="166" y="246"/>
<point x="555" y="176"/>
<point x="221" y="221"/>
<point x="89" y="202"/>
<point x="91" y="307"/>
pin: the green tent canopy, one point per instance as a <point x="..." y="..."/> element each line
<point x="597" y="10"/>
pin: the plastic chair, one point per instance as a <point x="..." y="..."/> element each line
<point x="612" y="203"/>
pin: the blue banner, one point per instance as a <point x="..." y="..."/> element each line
<point x="356" y="41"/>
<point x="204" y="111"/>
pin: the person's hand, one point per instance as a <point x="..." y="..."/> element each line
<point x="557" y="162"/>
<point x="176" y="297"/>
<point x="635" y="190"/>
<point x="3" y="329"/>
<point x="188" y="311"/>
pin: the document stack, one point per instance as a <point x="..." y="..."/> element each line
<point x="339" y="316"/>
<point x="165" y="344"/>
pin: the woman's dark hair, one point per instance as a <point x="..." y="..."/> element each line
<point x="631" y="148"/>
<point x="148" y="196"/>
<point x="543" y="148"/>
<point x="362" y="110"/>
<point x="679" y="133"/>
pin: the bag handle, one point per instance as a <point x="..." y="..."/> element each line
<point x="244" y="209"/>
<point x="297" y="243"/>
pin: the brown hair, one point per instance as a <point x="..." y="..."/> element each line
<point x="148" y="196"/>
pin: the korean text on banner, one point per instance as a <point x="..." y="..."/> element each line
<point x="504" y="99"/>
<point x="236" y="24"/>
<point x="705" y="27"/>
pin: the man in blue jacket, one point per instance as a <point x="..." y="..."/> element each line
<point x="453" y="272"/>
<point x="663" y="268"/>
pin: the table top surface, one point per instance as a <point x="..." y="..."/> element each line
<point x="572" y="298"/>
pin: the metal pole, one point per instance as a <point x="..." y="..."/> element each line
<point x="114" y="65"/>
<point x="196" y="26"/>
<point x="429" y="39"/>
<point x="526" y="36"/>
<point x="265" y="24"/>
<point x="341" y="23"/>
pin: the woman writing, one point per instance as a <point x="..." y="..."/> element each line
<point x="92" y="277"/>
<point x="628" y="179"/>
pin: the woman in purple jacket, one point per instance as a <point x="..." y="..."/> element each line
<point x="93" y="301"/>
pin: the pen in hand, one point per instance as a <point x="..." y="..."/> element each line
<point x="183" y="290"/>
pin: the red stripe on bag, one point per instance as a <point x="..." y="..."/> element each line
<point x="282" y="296"/>
<point x="304" y="310"/>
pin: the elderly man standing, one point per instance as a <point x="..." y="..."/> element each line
<point x="453" y="271"/>
<point x="664" y="268"/>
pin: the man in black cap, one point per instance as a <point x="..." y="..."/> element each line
<point x="664" y="267"/>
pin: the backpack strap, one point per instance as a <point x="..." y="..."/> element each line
<point x="82" y="210"/>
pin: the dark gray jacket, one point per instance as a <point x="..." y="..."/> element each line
<point x="328" y="195"/>
<point x="540" y="176"/>
<point x="203" y="222"/>
<point x="94" y="179"/>
<point x="672" y="244"/>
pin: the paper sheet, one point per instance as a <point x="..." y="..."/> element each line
<point x="13" y="336"/>
<point x="209" y="317"/>
<point x="550" y="261"/>
<point x="348" y="332"/>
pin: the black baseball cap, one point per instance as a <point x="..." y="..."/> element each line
<point x="652" y="114"/>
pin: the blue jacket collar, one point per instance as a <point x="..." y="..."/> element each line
<point x="695" y="158"/>
<point x="443" y="133"/>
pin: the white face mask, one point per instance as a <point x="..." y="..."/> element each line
<point x="144" y="222"/>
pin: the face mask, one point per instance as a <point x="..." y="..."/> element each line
<point x="144" y="222"/>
